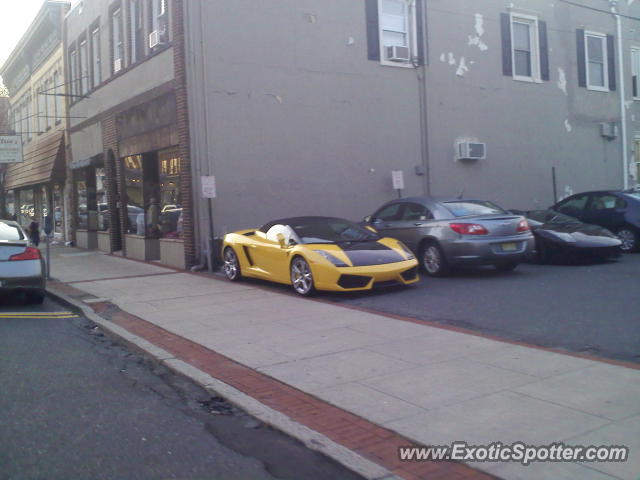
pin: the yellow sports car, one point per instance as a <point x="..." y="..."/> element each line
<point x="318" y="253"/>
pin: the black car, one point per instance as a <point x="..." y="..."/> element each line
<point x="614" y="210"/>
<point x="560" y="237"/>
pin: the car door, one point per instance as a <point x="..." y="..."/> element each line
<point x="387" y="220"/>
<point x="270" y="260"/>
<point x="605" y="209"/>
<point x="574" y="206"/>
<point x="415" y="220"/>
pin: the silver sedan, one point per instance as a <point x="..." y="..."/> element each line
<point x="21" y="264"/>
<point x="446" y="233"/>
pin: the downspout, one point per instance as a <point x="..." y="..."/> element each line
<point x="421" y="71"/>
<point x="623" y="108"/>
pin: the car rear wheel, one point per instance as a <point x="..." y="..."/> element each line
<point x="301" y="276"/>
<point x="36" y="297"/>
<point x="231" y="264"/>
<point x="629" y="239"/>
<point x="433" y="261"/>
<point x="505" y="267"/>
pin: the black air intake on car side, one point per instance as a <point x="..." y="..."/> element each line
<point x="410" y="274"/>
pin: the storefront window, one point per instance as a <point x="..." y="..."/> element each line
<point x="27" y="213"/>
<point x="81" y="192"/>
<point x="101" y="199"/>
<point x="135" y="224"/>
<point x="170" y="218"/>
<point x="43" y="204"/>
<point x="57" y="209"/>
<point x="10" y="204"/>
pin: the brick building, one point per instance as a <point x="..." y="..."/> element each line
<point x="128" y="132"/>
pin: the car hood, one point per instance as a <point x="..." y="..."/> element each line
<point x="361" y="254"/>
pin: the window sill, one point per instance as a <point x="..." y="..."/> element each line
<point x="598" y="89"/>
<point x="386" y="63"/>
<point x="527" y="79"/>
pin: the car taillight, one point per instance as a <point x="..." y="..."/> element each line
<point x="523" y="226"/>
<point x="30" y="253"/>
<point x="468" y="229"/>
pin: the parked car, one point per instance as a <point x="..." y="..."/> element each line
<point x="445" y="233"/>
<point x="560" y="237"/>
<point x="21" y="265"/>
<point x="614" y="210"/>
<point x="318" y="253"/>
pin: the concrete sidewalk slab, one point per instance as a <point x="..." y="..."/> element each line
<point x="431" y="385"/>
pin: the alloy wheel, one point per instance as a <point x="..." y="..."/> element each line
<point x="629" y="240"/>
<point x="301" y="277"/>
<point x="432" y="259"/>
<point x="231" y="264"/>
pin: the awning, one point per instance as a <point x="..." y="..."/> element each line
<point x="44" y="161"/>
<point x="95" y="161"/>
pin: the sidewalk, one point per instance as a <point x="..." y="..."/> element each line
<point x="367" y="382"/>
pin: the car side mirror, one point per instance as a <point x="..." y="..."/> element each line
<point x="367" y="219"/>
<point x="281" y="240"/>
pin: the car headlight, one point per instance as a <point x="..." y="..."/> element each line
<point x="332" y="258"/>
<point x="406" y="249"/>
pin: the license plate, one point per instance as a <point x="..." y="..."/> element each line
<point x="509" y="247"/>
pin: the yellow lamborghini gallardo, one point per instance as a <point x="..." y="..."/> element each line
<point x="318" y="253"/>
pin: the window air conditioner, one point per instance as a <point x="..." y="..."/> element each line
<point x="117" y="65"/>
<point x="397" y="53"/>
<point x="471" y="151"/>
<point x="609" y="130"/>
<point x="156" y="38"/>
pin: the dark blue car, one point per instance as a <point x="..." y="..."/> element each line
<point x="614" y="210"/>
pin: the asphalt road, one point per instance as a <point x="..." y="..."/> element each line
<point x="75" y="405"/>
<point x="587" y="308"/>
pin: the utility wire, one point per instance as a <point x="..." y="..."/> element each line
<point x="608" y="12"/>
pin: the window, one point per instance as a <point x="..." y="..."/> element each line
<point x="50" y="100"/>
<point x="396" y="25"/>
<point x="635" y="71"/>
<point x="136" y="224"/>
<point x="158" y="19"/>
<point x="101" y="199"/>
<point x="136" y="48"/>
<point x="28" y="122"/>
<point x="573" y="205"/>
<point x="466" y="208"/>
<point x="57" y="90"/>
<point x="596" y="59"/>
<point x="83" y="68"/>
<point x="73" y="72"/>
<point x="41" y="115"/>
<point x="170" y="218"/>
<point x="525" y="52"/>
<point x="416" y="212"/>
<point x="389" y="213"/>
<point x="96" y="76"/>
<point x="606" y="202"/>
<point x="117" y="39"/>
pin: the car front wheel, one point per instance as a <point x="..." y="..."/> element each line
<point x="301" y="277"/>
<point x="231" y="264"/>
<point x="629" y="239"/>
<point x="433" y="261"/>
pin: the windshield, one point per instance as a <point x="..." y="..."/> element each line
<point x="10" y="232"/>
<point x="331" y="231"/>
<point x="466" y="208"/>
<point x="549" y="216"/>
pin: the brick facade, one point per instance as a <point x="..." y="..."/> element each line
<point x="186" y="180"/>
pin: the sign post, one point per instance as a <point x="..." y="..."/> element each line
<point x="208" y="183"/>
<point x="48" y="230"/>
<point x="10" y="149"/>
<point x="397" y="177"/>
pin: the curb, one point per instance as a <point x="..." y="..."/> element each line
<point x="310" y="438"/>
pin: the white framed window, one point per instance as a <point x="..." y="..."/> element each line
<point x="117" y="41"/>
<point x="397" y="27"/>
<point x="57" y="90"/>
<point x="635" y="72"/>
<point x="96" y="76"/>
<point x="525" y="48"/>
<point x="84" y="68"/>
<point x="596" y="61"/>
<point x="50" y="99"/>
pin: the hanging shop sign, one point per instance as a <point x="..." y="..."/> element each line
<point x="10" y="149"/>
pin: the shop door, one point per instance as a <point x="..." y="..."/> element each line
<point x="115" y="202"/>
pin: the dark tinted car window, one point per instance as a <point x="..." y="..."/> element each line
<point x="466" y="208"/>
<point x="549" y="216"/>
<point x="10" y="232"/>
<point x="606" y="202"/>
<point x="415" y="211"/>
<point x="578" y="202"/>
<point x="388" y="213"/>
